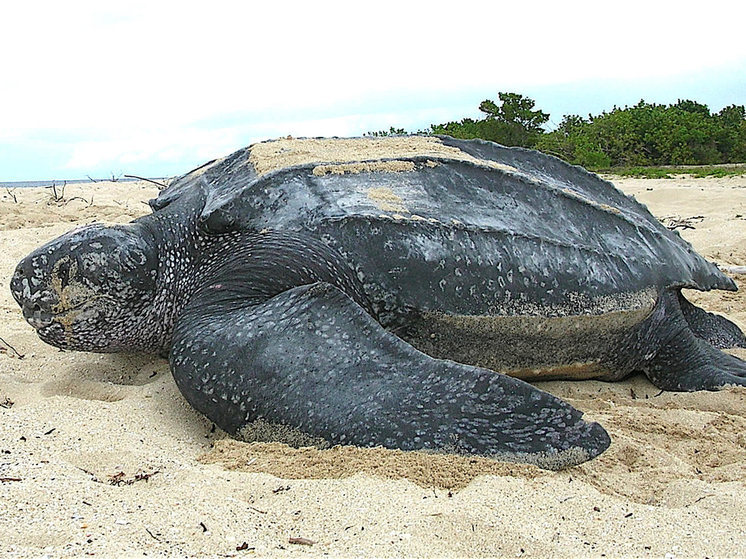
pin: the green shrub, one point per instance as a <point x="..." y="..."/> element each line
<point x="646" y="134"/>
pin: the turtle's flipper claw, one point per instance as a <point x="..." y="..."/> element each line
<point x="312" y="359"/>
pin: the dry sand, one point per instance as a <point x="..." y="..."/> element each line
<point x="100" y="455"/>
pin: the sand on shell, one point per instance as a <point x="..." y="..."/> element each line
<point x="100" y="455"/>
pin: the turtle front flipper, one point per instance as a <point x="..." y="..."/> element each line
<point x="312" y="359"/>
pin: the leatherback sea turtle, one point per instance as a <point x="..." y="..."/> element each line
<point x="364" y="291"/>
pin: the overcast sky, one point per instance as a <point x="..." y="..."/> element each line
<point x="156" y="88"/>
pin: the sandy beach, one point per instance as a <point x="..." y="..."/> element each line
<point x="101" y="456"/>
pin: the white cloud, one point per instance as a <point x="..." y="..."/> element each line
<point x="127" y="150"/>
<point x="138" y="76"/>
<point x="135" y="147"/>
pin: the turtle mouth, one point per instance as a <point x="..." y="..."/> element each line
<point x="64" y="329"/>
<point x="40" y="318"/>
<point x="38" y="310"/>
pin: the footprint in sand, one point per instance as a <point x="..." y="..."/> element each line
<point x="109" y="378"/>
<point x="118" y="369"/>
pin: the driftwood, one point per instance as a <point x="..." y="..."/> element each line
<point x="733" y="269"/>
<point x="160" y="184"/>
<point x="58" y="197"/>
<point x="677" y="222"/>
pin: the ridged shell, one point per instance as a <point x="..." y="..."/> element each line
<point x="472" y="228"/>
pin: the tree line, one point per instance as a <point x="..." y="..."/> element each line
<point x="684" y="133"/>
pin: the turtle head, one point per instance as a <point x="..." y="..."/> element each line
<point x="91" y="289"/>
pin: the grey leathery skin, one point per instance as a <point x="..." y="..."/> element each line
<point x="391" y="300"/>
<point x="294" y="362"/>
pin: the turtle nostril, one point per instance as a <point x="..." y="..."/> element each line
<point x="36" y="314"/>
<point x="41" y="302"/>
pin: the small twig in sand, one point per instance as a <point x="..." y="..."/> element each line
<point x="148" y="180"/>
<point x="58" y="196"/>
<point x="90" y="178"/>
<point x="120" y="479"/>
<point x="151" y="534"/>
<point x="93" y="476"/>
<point x="11" y="193"/>
<point x="88" y="202"/>
<point x="143" y="476"/>
<point x="676" y="221"/>
<point x="7" y="346"/>
<point x="698" y="500"/>
<point x="301" y="541"/>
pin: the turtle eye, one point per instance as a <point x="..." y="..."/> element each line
<point x="63" y="269"/>
<point x="61" y="272"/>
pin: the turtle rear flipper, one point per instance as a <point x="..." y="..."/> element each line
<point x="312" y="359"/>
<point x="686" y="361"/>
<point x="716" y="330"/>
